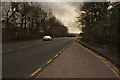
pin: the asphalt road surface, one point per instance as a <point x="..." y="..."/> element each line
<point x="26" y="59"/>
<point x="78" y="62"/>
<point x="21" y="59"/>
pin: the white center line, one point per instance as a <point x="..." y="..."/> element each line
<point x="25" y="46"/>
<point x="8" y="50"/>
<point x="18" y="48"/>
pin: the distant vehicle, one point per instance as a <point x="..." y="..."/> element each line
<point x="47" y="38"/>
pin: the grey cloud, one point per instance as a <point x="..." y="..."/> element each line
<point x="65" y="12"/>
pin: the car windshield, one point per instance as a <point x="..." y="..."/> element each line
<point x="47" y="36"/>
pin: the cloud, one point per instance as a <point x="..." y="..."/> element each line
<point x="65" y="12"/>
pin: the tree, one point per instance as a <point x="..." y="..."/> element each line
<point x="93" y="14"/>
<point x="101" y="21"/>
<point x="24" y="20"/>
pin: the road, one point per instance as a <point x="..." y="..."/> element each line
<point x="78" y="62"/>
<point x="21" y="59"/>
<point x="28" y="59"/>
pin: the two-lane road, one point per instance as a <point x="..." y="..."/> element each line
<point x="21" y="59"/>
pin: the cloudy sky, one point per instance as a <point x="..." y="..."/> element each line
<point x="65" y="12"/>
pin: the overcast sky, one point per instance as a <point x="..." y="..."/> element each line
<point x="65" y="12"/>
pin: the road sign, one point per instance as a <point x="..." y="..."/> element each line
<point x="41" y="31"/>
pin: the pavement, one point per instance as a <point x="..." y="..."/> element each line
<point x="21" y="59"/>
<point x="78" y="62"/>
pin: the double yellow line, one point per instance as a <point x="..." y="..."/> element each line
<point x="110" y="65"/>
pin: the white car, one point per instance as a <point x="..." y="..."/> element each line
<point x="47" y="38"/>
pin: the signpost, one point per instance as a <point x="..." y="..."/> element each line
<point x="41" y="31"/>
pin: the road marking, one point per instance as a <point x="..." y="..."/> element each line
<point x="56" y="55"/>
<point x="49" y="61"/>
<point x="25" y="46"/>
<point x="110" y="65"/>
<point x="111" y="69"/>
<point x="28" y="46"/>
<point x="65" y="47"/>
<point x="35" y="72"/>
<point x="60" y="52"/>
<point x="8" y="50"/>
<point x="18" y="48"/>
<point x="100" y="57"/>
<point x="21" y="47"/>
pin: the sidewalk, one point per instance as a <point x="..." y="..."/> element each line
<point x="76" y="62"/>
<point x="107" y="53"/>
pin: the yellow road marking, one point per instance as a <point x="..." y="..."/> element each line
<point x="49" y="61"/>
<point x="60" y="52"/>
<point x="35" y="72"/>
<point x="110" y="64"/>
<point x="113" y="68"/>
<point x="56" y="55"/>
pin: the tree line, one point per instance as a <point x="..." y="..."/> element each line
<point x="28" y="20"/>
<point x="100" y="22"/>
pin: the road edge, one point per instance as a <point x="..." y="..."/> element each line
<point x="104" y="59"/>
<point x="39" y="70"/>
<point x="113" y="62"/>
